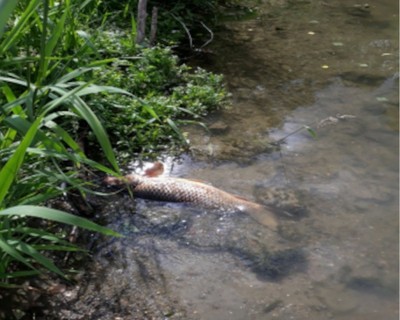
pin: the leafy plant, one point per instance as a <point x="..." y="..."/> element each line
<point x="167" y="96"/>
<point x="18" y="241"/>
<point x="62" y="85"/>
<point x="40" y="94"/>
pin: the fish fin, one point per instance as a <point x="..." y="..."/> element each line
<point x="264" y="217"/>
<point x="155" y="170"/>
<point x="241" y="198"/>
<point x="198" y="180"/>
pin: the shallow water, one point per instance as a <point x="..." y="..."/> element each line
<point x="334" y="68"/>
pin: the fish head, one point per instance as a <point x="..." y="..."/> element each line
<point x="131" y="179"/>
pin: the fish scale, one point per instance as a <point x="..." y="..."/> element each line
<point x="183" y="190"/>
<point x="174" y="190"/>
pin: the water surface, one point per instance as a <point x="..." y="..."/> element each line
<point x="304" y="64"/>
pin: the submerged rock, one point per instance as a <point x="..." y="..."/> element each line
<point x="219" y="127"/>
<point x="286" y="203"/>
<point x="278" y="264"/>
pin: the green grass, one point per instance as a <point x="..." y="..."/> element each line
<point x="70" y="78"/>
<point x="40" y="93"/>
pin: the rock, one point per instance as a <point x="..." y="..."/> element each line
<point x="286" y="202"/>
<point x="219" y="127"/>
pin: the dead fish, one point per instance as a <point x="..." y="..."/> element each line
<point x="151" y="186"/>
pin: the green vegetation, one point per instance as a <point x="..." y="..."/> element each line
<point x="172" y="16"/>
<point x="34" y="143"/>
<point x="72" y="81"/>
<point x="167" y="95"/>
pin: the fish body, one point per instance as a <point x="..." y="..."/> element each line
<point x="189" y="191"/>
<point x="184" y="190"/>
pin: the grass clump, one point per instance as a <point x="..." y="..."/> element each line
<point x="66" y="90"/>
<point x="166" y="96"/>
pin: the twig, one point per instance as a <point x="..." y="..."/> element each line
<point x="320" y="124"/>
<point x="331" y="120"/>
<point x="277" y="143"/>
<point x="186" y="29"/>
<point x="211" y="33"/>
<point x="141" y="23"/>
<point x="153" y="29"/>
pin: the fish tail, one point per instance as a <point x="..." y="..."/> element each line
<point x="263" y="216"/>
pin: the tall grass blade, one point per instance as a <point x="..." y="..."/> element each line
<point x="133" y="28"/>
<point x="20" y="82"/>
<point x="84" y="35"/>
<point x="86" y="113"/>
<point x="93" y="89"/>
<point x="31" y="251"/>
<point x="10" y="250"/>
<point x="10" y="134"/>
<point x="150" y="111"/>
<point x="23" y="126"/>
<point x="66" y="96"/>
<point x="176" y="129"/>
<point x="17" y="274"/>
<point x="10" y="169"/>
<point x="74" y="74"/>
<point x="49" y="45"/>
<point x="6" y="8"/>
<point x="39" y="234"/>
<point x="10" y="96"/>
<point x="17" y="31"/>
<point x="9" y="107"/>
<point x="58" y="216"/>
<point x="43" y="42"/>
<point x="74" y="157"/>
<point x="65" y="136"/>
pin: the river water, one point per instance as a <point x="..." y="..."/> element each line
<point x="313" y="133"/>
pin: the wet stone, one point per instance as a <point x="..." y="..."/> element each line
<point x="162" y="220"/>
<point x="371" y="285"/>
<point x="368" y="279"/>
<point x="219" y="127"/>
<point x="289" y="231"/>
<point x="363" y="78"/>
<point x="374" y="194"/>
<point x="277" y="264"/>
<point x="273" y="305"/>
<point x="286" y="202"/>
<point x="381" y="43"/>
<point x="358" y="10"/>
<point x="336" y="298"/>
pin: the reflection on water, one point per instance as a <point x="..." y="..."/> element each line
<point x="336" y="195"/>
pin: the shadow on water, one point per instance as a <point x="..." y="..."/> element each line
<point x="212" y="233"/>
<point x="331" y="67"/>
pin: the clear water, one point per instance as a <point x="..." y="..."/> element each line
<point x="336" y="254"/>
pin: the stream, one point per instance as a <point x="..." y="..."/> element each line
<point x="313" y="134"/>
